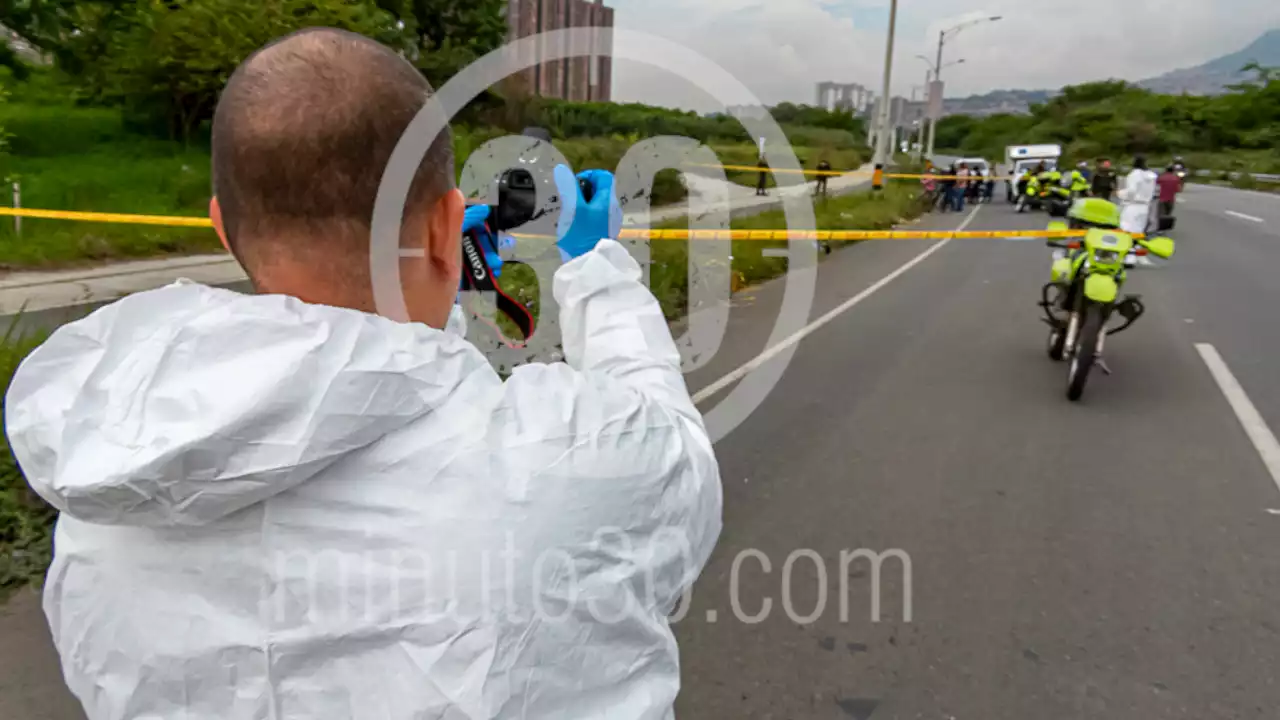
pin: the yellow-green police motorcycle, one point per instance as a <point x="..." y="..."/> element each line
<point x="1084" y="293"/>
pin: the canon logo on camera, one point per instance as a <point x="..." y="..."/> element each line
<point x="473" y="256"/>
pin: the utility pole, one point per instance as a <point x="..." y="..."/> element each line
<point x="923" y="129"/>
<point x="942" y="40"/>
<point x="886" y="102"/>
<point x="933" y="121"/>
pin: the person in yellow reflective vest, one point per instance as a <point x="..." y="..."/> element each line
<point x="1080" y="181"/>
<point x="1048" y="179"/>
<point x="1029" y="184"/>
<point x="1053" y="193"/>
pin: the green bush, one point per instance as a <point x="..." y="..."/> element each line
<point x="1244" y="181"/>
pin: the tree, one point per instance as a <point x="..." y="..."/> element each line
<point x="953" y="131"/>
<point x="170" y="59"/>
<point x="450" y="34"/>
<point x="1114" y="119"/>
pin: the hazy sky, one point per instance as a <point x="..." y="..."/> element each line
<point x="780" y="48"/>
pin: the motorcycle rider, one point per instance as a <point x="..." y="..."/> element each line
<point x="1135" y="201"/>
<point x="1179" y="168"/>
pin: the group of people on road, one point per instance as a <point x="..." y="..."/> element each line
<point x="950" y="189"/>
<point x="1141" y="192"/>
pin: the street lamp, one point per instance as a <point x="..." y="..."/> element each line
<point x="939" y="67"/>
<point x="928" y="76"/>
<point x="882" y="137"/>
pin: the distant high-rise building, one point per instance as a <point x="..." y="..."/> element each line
<point x="587" y="78"/>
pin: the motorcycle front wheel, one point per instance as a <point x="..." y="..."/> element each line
<point x="1085" y="352"/>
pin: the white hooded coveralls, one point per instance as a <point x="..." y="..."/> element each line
<point x="1135" y="197"/>
<point x="277" y="510"/>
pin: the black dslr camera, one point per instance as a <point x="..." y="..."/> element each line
<point x="517" y="206"/>
<point x="517" y="200"/>
<point x="518" y="193"/>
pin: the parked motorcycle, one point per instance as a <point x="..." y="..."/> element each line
<point x="1083" y="294"/>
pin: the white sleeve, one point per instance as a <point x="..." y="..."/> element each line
<point x="616" y="417"/>
<point x="1126" y="191"/>
<point x="612" y="325"/>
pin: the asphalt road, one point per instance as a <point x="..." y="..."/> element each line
<point x="1108" y="559"/>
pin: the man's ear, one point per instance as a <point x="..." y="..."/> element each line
<point x="443" y="244"/>
<point x="215" y="214"/>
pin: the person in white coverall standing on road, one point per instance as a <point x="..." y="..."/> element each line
<point x="1136" y="198"/>
<point x="283" y="505"/>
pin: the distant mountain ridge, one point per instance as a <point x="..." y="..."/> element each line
<point x="999" y="101"/>
<point x="1211" y="78"/>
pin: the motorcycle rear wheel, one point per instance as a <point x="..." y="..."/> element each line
<point x="1057" y="344"/>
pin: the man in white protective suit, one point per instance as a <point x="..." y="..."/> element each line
<point x="283" y="505"/>
<point x="1136" y="198"/>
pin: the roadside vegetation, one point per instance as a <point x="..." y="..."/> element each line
<point x="1237" y="131"/>
<point x="68" y="155"/>
<point x="26" y="522"/>
<point x="113" y="115"/>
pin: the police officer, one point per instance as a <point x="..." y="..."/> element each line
<point x="1029" y="187"/>
<point x="824" y="168"/>
<point x="1080" y="180"/>
<point x="1104" y="180"/>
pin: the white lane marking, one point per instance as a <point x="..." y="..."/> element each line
<point x="1254" y="426"/>
<point x="807" y="330"/>
<point x="1242" y="216"/>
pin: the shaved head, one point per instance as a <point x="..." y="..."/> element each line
<point x="301" y="136"/>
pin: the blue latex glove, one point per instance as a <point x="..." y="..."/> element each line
<point x="582" y="223"/>
<point x="474" y="220"/>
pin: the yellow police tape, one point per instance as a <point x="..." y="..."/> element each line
<point x="169" y="220"/>
<point x="838" y="235"/>
<point x="836" y="173"/>
<point x="626" y="234"/>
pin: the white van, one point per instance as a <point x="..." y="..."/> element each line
<point x="1021" y="158"/>
<point x="975" y="164"/>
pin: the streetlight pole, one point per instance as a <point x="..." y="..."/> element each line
<point x="924" y="116"/>
<point x="882" y="137"/>
<point x="942" y="39"/>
